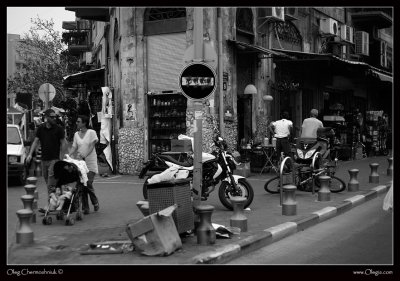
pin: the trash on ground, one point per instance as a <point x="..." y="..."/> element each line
<point x="108" y="247"/>
<point x="156" y="234"/>
<point x="247" y="209"/>
<point x="222" y="231"/>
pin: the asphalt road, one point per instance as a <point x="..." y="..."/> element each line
<point x="362" y="236"/>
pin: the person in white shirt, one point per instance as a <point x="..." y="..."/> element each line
<point x="310" y="125"/>
<point x="282" y="130"/>
<point x="84" y="144"/>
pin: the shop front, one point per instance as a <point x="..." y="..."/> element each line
<point x="88" y="95"/>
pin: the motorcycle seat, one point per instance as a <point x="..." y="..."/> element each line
<point x="173" y="160"/>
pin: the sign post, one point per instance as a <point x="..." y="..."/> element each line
<point x="47" y="93"/>
<point x="197" y="82"/>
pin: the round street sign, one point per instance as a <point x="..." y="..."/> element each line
<point x="47" y="89"/>
<point x="197" y="81"/>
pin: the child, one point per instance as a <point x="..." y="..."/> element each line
<point x="58" y="197"/>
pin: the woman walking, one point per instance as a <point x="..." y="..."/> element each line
<point x="84" y="143"/>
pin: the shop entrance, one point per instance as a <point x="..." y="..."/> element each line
<point x="245" y="76"/>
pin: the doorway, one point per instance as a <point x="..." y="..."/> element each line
<point x="245" y="69"/>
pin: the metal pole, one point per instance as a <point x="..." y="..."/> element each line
<point x="220" y="75"/>
<point x="46" y="96"/>
<point x="198" y="109"/>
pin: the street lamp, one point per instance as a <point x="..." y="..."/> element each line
<point x="250" y="90"/>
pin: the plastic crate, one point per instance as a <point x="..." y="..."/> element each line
<point x="164" y="194"/>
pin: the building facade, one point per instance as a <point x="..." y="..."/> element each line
<point x="293" y="58"/>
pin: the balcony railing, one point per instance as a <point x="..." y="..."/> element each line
<point x="77" y="41"/>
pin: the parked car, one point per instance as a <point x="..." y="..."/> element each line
<point x="16" y="154"/>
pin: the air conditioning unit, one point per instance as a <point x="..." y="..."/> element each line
<point x="362" y="43"/>
<point x="347" y="33"/>
<point x="329" y="26"/>
<point x="291" y="13"/>
<point x="277" y="13"/>
<point x="383" y="53"/>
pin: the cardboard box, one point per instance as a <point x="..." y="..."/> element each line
<point x="155" y="235"/>
<point x="181" y="146"/>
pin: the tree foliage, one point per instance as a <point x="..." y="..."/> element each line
<point x="46" y="60"/>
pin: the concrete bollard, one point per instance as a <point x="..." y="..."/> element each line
<point x="289" y="204"/>
<point x="238" y="219"/>
<point x="374" y="176"/>
<point x="32" y="180"/>
<point x="24" y="233"/>
<point x="324" y="194"/>
<point x="27" y="201"/>
<point x="30" y="190"/>
<point x="205" y="232"/>
<point x="390" y="168"/>
<point x="353" y="184"/>
<point x="38" y="168"/>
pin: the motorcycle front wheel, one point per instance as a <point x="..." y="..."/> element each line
<point x="226" y="191"/>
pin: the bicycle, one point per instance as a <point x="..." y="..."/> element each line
<point x="306" y="177"/>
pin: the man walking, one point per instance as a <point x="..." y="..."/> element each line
<point x="52" y="140"/>
<point x="282" y="130"/>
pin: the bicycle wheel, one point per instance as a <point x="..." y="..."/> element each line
<point x="273" y="185"/>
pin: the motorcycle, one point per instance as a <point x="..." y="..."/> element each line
<point x="312" y="158"/>
<point x="217" y="167"/>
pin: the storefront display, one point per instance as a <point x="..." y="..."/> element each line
<point x="167" y="120"/>
<point x="376" y="132"/>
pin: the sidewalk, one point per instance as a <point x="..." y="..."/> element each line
<point x="266" y="224"/>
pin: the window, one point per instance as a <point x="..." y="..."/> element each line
<point x="164" y="20"/>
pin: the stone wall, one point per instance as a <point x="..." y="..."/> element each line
<point x="130" y="150"/>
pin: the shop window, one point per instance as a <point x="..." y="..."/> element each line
<point x="244" y="25"/>
<point x="164" y="20"/>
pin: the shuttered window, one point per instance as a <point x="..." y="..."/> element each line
<point x="165" y="61"/>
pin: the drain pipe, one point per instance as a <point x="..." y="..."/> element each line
<point x="220" y="75"/>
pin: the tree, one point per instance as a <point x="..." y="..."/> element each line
<point x="46" y="60"/>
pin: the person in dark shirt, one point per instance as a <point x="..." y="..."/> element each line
<point x="52" y="140"/>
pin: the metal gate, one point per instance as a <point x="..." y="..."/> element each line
<point x="165" y="61"/>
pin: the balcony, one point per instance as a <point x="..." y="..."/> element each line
<point x="77" y="41"/>
<point x="368" y="18"/>
<point x="92" y="13"/>
<point x="76" y="25"/>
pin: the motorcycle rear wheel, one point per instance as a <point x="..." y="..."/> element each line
<point x="224" y="193"/>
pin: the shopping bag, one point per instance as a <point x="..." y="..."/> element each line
<point x="388" y="200"/>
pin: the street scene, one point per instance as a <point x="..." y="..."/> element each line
<point x="200" y="136"/>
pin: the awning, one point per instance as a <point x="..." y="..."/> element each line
<point x="254" y="48"/>
<point x="382" y="76"/>
<point x="303" y="56"/>
<point x="83" y="77"/>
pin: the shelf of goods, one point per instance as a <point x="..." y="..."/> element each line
<point x="167" y="120"/>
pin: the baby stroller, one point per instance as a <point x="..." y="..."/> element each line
<point x="66" y="173"/>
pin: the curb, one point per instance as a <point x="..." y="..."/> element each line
<point x="268" y="236"/>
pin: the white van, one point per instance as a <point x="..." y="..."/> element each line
<point x="16" y="154"/>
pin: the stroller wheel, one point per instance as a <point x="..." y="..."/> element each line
<point x="44" y="221"/>
<point x="79" y="216"/>
<point x="49" y="220"/>
<point x="67" y="221"/>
